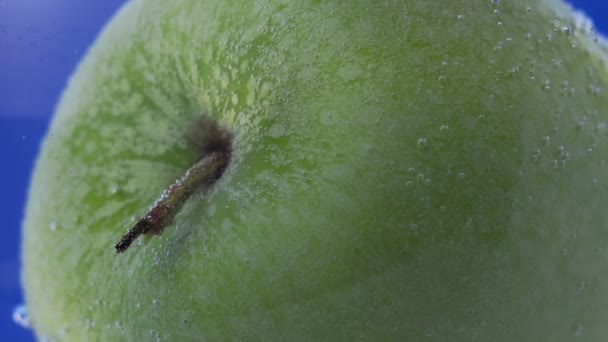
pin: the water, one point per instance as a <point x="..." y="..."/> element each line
<point x="39" y="48"/>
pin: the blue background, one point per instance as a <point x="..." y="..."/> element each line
<point x="41" y="41"/>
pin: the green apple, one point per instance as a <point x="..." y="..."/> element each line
<point x="400" y="170"/>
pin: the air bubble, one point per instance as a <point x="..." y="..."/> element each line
<point x="422" y="142"/>
<point x="53" y="225"/>
<point x="577" y="330"/>
<point x="561" y="150"/>
<point x="460" y="17"/>
<point x="547" y="140"/>
<point x="444" y="128"/>
<point x="496" y="12"/>
<point x="461" y="175"/>
<point x="409" y="184"/>
<point x="443" y="208"/>
<point x="567" y="30"/>
<point x="21" y="316"/>
<point x="114" y="189"/>
<point x="427" y="181"/>
<point x="155" y="301"/>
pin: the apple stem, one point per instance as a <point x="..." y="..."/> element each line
<point x="204" y="173"/>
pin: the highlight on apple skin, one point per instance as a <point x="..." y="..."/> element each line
<point x="400" y="170"/>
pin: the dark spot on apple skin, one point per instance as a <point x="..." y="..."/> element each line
<point x="215" y="146"/>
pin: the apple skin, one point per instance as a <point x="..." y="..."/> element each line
<point x="413" y="170"/>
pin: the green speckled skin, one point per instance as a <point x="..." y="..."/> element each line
<point x="402" y="170"/>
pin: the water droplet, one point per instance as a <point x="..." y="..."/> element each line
<point x="138" y="305"/>
<point x="482" y="117"/>
<point x="496" y="12"/>
<point x="444" y="128"/>
<point x="577" y="330"/>
<point x="113" y="189"/>
<point x="442" y="78"/>
<point x="460" y="17"/>
<point x="500" y="24"/>
<point x="413" y="226"/>
<point x="422" y="142"/>
<point x="53" y="225"/>
<point x="594" y="182"/>
<point x="412" y="169"/>
<point x="528" y="9"/>
<point x="561" y="150"/>
<point x="420" y="177"/>
<point x="427" y="182"/>
<point x="21" y="316"/>
<point x="443" y="208"/>
<point x="409" y="184"/>
<point x="567" y="30"/>
<point x="547" y="140"/>
<point x="461" y="175"/>
<point x="155" y="301"/>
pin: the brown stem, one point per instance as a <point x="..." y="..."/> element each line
<point x="205" y="172"/>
